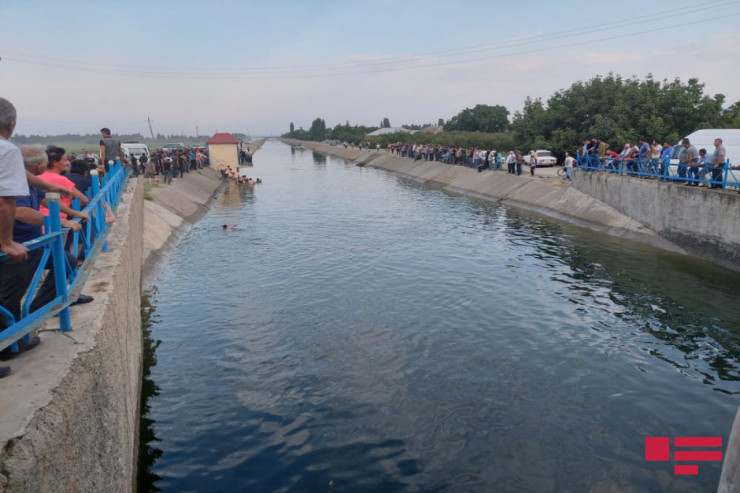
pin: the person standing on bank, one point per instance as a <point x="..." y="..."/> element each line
<point x="13" y="183"/>
<point x="519" y="162"/>
<point x="718" y="162"/>
<point x="569" y="160"/>
<point x="110" y="148"/>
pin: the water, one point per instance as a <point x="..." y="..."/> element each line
<point x="360" y="332"/>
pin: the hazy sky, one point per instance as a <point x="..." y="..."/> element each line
<point x="256" y="66"/>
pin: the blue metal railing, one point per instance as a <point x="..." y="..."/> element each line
<point x="89" y="240"/>
<point x="663" y="170"/>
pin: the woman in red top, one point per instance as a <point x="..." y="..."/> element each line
<point x="58" y="164"/>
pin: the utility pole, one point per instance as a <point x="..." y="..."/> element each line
<point x="149" y="120"/>
<point x="196" y="131"/>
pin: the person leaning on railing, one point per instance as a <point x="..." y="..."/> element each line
<point x="13" y="183"/>
<point x="57" y="165"/>
<point x="719" y="156"/>
<point x="16" y="277"/>
<point x="79" y="174"/>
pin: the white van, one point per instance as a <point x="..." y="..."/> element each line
<point x="135" y="149"/>
<point x="704" y="139"/>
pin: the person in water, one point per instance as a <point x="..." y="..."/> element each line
<point x="229" y="227"/>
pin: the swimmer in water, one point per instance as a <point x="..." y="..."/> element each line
<point x="229" y="227"/>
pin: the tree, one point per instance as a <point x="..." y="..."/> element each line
<point x="618" y="111"/>
<point x="292" y="128"/>
<point x="348" y="133"/>
<point x="731" y="117"/>
<point x="482" y="118"/>
<point x="386" y="123"/>
<point x="318" y="130"/>
<point x="441" y="122"/>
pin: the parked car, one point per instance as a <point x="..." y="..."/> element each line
<point x="174" y="146"/>
<point x="544" y="158"/>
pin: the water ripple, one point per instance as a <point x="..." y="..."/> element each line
<point x="360" y="332"/>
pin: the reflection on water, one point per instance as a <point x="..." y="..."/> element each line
<point x="359" y="332"/>
<point x="318" y="158"/>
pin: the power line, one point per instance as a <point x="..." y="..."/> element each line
<point x="616" y="24"/>
<point x="365" y="68"/>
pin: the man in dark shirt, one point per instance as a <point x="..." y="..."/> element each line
<point x="79" y="174"/>
<point x="110" y="148"/>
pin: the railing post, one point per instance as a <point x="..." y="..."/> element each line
<point x="57" y="255"/>
<point x="96" y="190"/>
<point x="75" y="234"/>
<point x="725" y="174"/>
<point x="666" y="163"/>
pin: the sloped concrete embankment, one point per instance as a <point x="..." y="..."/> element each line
<point x="70" y="410"/>
<point x="704" y="222"/>
<point x="550" y="196"/>
<point x="169" y="213"/>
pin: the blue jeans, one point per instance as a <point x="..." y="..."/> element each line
<point x="683" y="170"/>
<point x="694" y="172"/>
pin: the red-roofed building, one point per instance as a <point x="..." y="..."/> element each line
<point x="223" y="151"/>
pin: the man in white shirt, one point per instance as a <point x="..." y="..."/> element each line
<point x="13" y="183"/>
<point x="656" y="149"/>
<point x="510" y="162"/>
<point x="568" y="165"/>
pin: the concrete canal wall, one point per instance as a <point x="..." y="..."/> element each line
<point x="70" y="409"/>
<point x="550" y="196"/>
<point x="69" y="412"/>
<point x="170" y="212"/>
<point x="703" y="222"/>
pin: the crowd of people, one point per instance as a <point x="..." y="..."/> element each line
<point x="228" y="173"/>
<point x="636" y="158"/>
<point x="25" y="175"/>
<point x="164" y="163"/>
<point x="480" y="159"/>
<point x="28" y="172"/>
<point x="167" y="163"/>
<point x="651" y="159"/>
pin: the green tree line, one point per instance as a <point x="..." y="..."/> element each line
<point x="616" y="109"/>
<point x="318" y="132"/>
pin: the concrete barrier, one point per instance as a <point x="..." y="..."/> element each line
<point x="70" y="410"/>
<point x="170" y="212"/>
<point x="703" y="222"/>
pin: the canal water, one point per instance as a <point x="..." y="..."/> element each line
<point x="361" y="332"/>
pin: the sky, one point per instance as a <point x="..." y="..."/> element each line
<point x="254" y="67"/>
